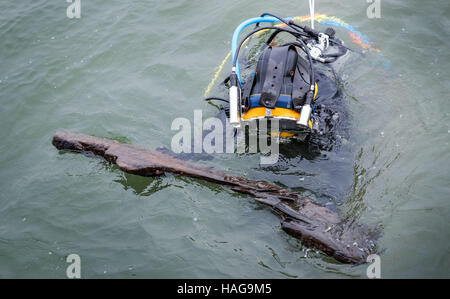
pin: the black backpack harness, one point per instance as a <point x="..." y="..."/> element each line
<point x="281" y="80"/>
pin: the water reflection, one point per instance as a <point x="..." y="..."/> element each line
<point x="147" y="186"/>
<point x="143" y="186"/>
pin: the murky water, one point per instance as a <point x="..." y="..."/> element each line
<point x="126" y="69"/>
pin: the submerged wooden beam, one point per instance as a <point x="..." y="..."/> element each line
<point x="316" y="226"/>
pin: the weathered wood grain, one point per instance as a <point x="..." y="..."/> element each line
<point x="316" y="226"/>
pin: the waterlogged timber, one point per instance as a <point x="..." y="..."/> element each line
<point x="316" y="226"/>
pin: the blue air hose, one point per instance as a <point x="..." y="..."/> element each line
<point x="237" y="32"/>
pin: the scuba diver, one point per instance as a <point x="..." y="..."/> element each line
<point x="288" y="83"/>
<point x="290" y="78"/>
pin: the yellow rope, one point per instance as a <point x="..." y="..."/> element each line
<point x="216" y="75"/>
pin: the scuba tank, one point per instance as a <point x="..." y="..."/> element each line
<point x="283" y="84"/>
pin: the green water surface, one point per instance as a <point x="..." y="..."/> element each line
<point x="127" y="69"/>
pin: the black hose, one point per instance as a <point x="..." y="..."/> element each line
<point x="272" y="36"/>
<point x="290" y="24"/>
<point x="295" y="33"/>
<point x="296" y="25"/>
<point x="216" y="99"/>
